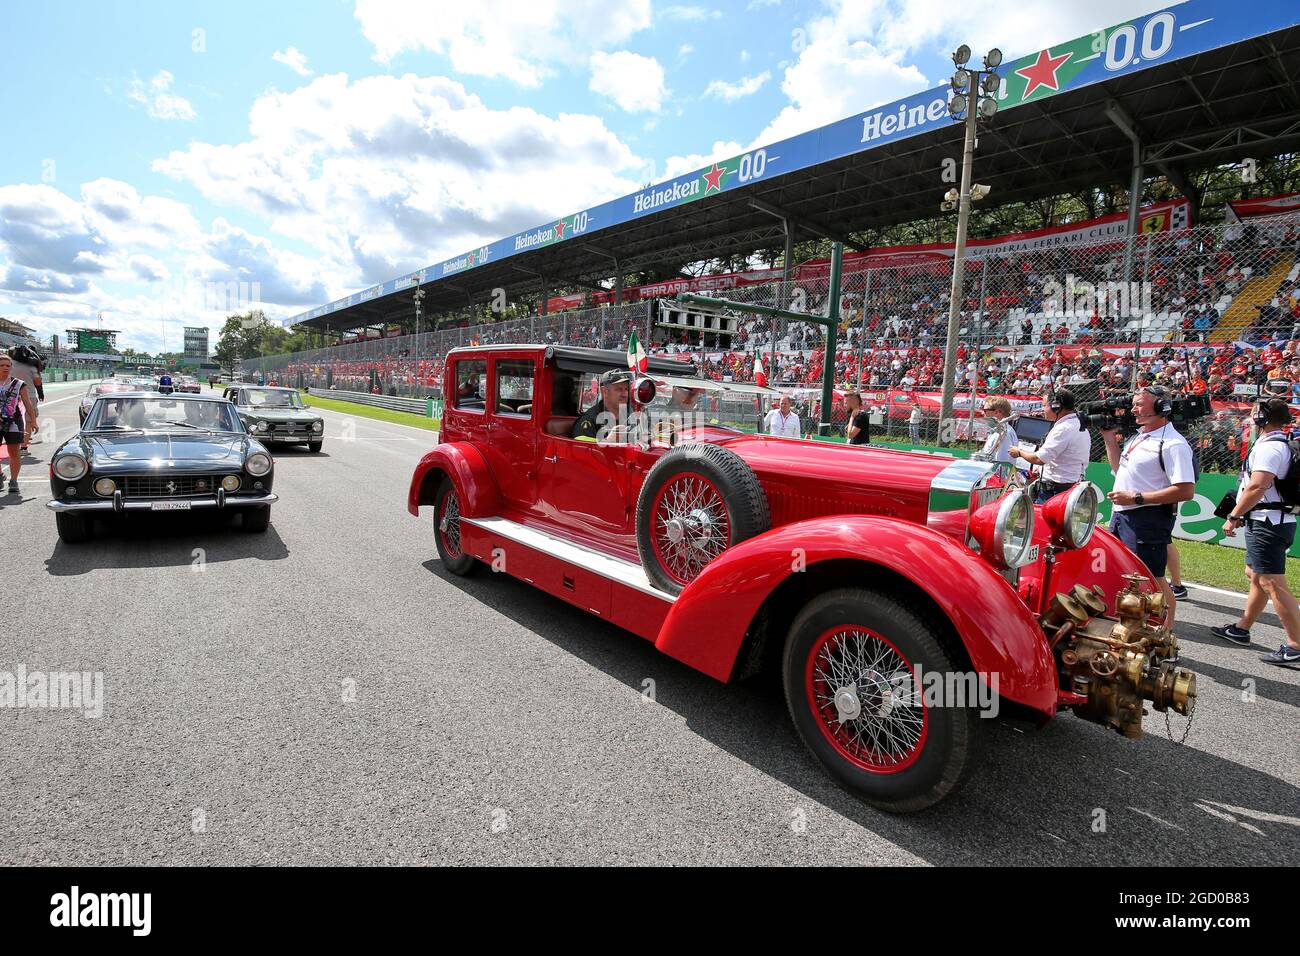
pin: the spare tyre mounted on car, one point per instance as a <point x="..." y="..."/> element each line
<point x="698" y="500"/>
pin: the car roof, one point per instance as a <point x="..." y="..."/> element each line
<point x="174" y="396"/>
<point x="573" y="356"/>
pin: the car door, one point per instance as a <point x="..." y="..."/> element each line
<point x="511" y="448"/>
<point x="584" y="485"/>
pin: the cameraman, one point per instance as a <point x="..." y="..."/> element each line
<point x="1153" y="475"/>
<point x="1064" y="454"/>
<point x="1269" y="533"/>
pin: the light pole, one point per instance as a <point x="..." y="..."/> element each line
<point x="968" y="106"/>
<point x="419" y="297"/>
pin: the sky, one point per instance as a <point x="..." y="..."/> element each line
<point x="169" y="163"/>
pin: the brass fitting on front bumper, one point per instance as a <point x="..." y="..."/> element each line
<point x="1110" y="666"/>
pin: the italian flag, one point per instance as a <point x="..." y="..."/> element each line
<point x="636" y="357"/>
<point x="760" y="373"/>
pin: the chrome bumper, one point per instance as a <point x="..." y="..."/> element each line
<point x="146" y="504"/>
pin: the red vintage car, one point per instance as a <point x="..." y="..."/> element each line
<point x="902" y="596"/>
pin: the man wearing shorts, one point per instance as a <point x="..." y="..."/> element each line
<point x="1270" y="530"/>
<point x="1153" y="476"/>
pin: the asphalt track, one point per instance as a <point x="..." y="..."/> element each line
<point x="325" y="693"/>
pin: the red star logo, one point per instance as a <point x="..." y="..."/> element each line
<point x="1042" y="72"/>
<point x="714" y="179"/>
<point x="559" y="229"/>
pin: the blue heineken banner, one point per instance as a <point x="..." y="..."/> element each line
<point x="1179" y="31"/>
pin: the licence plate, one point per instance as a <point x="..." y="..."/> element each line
<point x="169" y="506"/>
<point x="1033" y="555"/>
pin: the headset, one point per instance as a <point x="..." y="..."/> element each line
<point x="1164" y="406"/>
<point x="1061" y="399"/>
<point x="1273" y="411"/>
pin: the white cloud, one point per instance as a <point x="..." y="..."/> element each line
<point x="294" y="59"/>
<point x="690" y="14"/>
<point x="1017" y="27"/>
<point x="141" y="260"/>
<point x="634" y="82"/>
<point x="522" y="42"/>
<point x="387" y="174"/>
<point x="677" y="165"/>
<point x="684" y="51"/>
<point x="158" y="100"/>
<point x="745" y="86"/>
<point x="744" y="56"/>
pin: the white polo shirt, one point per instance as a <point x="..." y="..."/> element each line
<point x="1065" y="451"/>
<point x="787" y="426"/>
<point x="1139" y="462"/>
<point x="1272" y="455"/>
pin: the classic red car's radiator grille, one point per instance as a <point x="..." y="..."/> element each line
<point x="169" y="486"/>
<point x="788" y="506"/>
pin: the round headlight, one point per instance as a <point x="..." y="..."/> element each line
<point x="318" y="426"/>
<point x="70" y="467"/>
<point x="1015" y="528"/>
<point x="230" y="483"/>
<point x="258" y="464"/>
<point x="105" y="487"/>
<point x="1072" y="515"/>
<point x="258" y="426"/>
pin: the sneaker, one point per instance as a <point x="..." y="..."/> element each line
<point x="13" y="486"/>
<point x="1231" y="632"/>
<point x="1286" y="654"/>
<point x="1180" y="590"/>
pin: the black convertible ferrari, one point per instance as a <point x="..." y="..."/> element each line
<point x="142" y="451"/>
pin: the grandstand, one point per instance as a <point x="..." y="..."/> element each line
<point x="1106" y="300"/>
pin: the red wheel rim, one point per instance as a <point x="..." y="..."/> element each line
<point x="866" y="700"/>
<point x="449" y="524"/>
<point x="690" y="525"/>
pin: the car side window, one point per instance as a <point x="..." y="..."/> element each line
<point x="514" y="383"/>
<point x="471" y="385"/>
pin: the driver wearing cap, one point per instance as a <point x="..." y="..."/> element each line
<point x="615" y="388"/>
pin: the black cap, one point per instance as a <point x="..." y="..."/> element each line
<point x="616" y="375"/>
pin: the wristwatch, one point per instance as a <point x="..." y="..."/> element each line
<point x="1138" y="499"/>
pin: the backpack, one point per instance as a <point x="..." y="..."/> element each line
<point x="1288" y="487"/>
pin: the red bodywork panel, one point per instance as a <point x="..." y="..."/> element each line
<point x="465" y="465"/>
<point x="998" y="630"/>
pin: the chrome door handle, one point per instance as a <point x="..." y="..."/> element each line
<point x="551" y="458"/>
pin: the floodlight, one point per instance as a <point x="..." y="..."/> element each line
<point x="993" y="59"/>
<point x="961" y="55"/>
<point x="988" y="106"/>
<point x="957" y="104"/>
<point x="952" y="195"/>
<point x="991" y="82"/>
<point x="960" y="80"/>
<point x="978" y="192"/>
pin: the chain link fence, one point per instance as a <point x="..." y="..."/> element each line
<point x="1211" y="310"/>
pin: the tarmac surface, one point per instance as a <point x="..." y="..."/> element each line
<point x="326" y="694"/>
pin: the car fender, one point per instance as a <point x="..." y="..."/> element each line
<point x="473" y="480"/>
<point x="707" y="625"/>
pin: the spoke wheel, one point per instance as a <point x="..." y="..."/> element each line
<point x="865" y="695"/>
<point x="857" y="671"/>
<point x="447" y="528"/>
<point x="696" y="502"/>
<point x="691" y="525"/>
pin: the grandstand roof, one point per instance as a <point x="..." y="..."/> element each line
<point x="1216" y="86"/>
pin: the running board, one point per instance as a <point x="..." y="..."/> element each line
<point x="562" y="549"/>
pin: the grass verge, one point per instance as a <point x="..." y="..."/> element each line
<point x="1219" y="566"/>
<point x="370" y="411"/>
